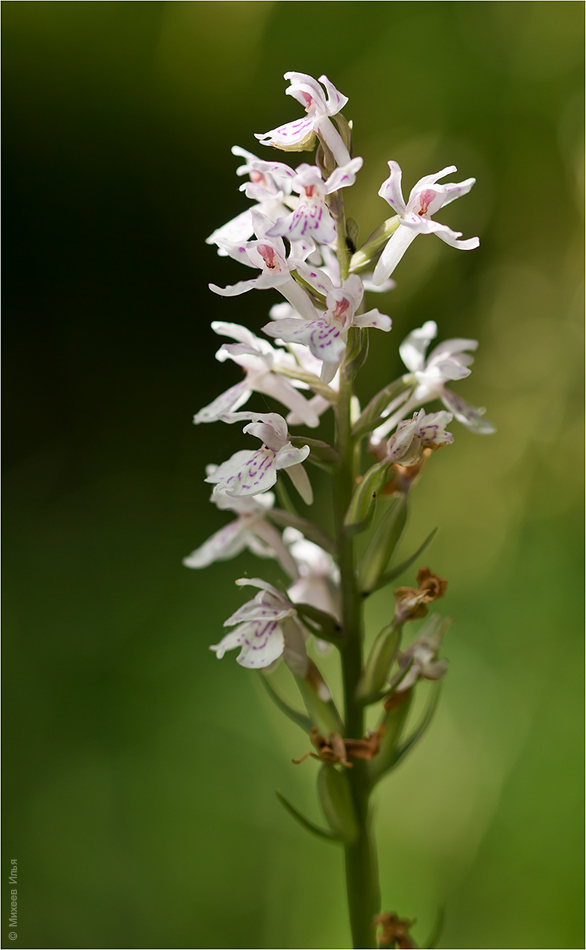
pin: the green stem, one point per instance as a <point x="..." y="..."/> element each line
<point x="361" y="864"/>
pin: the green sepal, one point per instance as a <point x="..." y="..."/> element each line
<point x="423" y="726"/>
<point x="361" y="508"/>
<point x="395" y="572"/>
<point x="379" y="662"/>
<point x="374" y="244"/>
<point x="336" y="801"/>
<point x="320" y="453"/>
<point x="370" y="416"/>
<point x="382" y="547"/>
<point x="323" y="713"/>
<point x="358" y="352"/>
<point x="299" y="718"/>
<point x="311" y="531"/>
<point x="394" y="723"/>
<point x="306" y="823"/>
<point x="329" y="628"/>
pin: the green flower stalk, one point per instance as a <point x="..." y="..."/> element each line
<point x="297" y="237"/>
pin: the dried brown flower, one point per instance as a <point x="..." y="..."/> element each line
<point x="394" y="931"/>
<point x="411" y="602"/>
<point x="334" y="749"/>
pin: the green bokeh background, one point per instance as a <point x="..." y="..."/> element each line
<point x="140" y="771"/>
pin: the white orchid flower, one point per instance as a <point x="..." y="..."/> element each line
<point x="249" y="530"/>
<point x="447" y="361"/>
<point x="267" y="629"/>
<point x="250" y="472"/>
<point x="268" y="190"/>
<point x="299" y="136"/>
<point x="422" y="656"/>
<point x="423" y="431"/>
<point x="311" y="218"/>
<point x="258" y="358"/>
<point x="414" y="218"/>
<point x="327" y="333"/>
<point x="269" y="255"/>
<point x="318" y="583"/>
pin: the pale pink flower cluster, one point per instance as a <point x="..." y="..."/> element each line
<point x="289" y="237"/>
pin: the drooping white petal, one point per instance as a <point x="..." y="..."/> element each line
<point x="228" y="402"/>
<point x="453" y="237"/>
<point x="223" y="545"/>
<point x="300" y="479"/>
<point x="469" y="416"/>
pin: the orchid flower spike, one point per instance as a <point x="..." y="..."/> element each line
<point x="269" y="255"/>
<point x="447" y="361"/>
<point x="299" y="136"/>
<point x="268" y="190"/>
<point x="249" y="530"/>
<point x="253" y="472"/>
<point x="267" y="629"/>
<point x="257" y="358"/>
<point x="414" y="218"/>
<point x="326" y="333"/>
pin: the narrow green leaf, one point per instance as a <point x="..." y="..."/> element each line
<point x="361" y="509"/>
<point x="336" y="800"/>
<point x="299" y="718"/>
<point x="306" y="823"/>
<point x="400" y="568"/>
<point x="311" y="531"/>
<point x="329" y="628"/>
<point x="370" y="416"/>
<point x="423" y="726"/>
<point x="379" y="662"/>
<point x="382" y="547"/>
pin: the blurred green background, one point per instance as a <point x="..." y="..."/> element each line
<point x="140" y="771"/>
